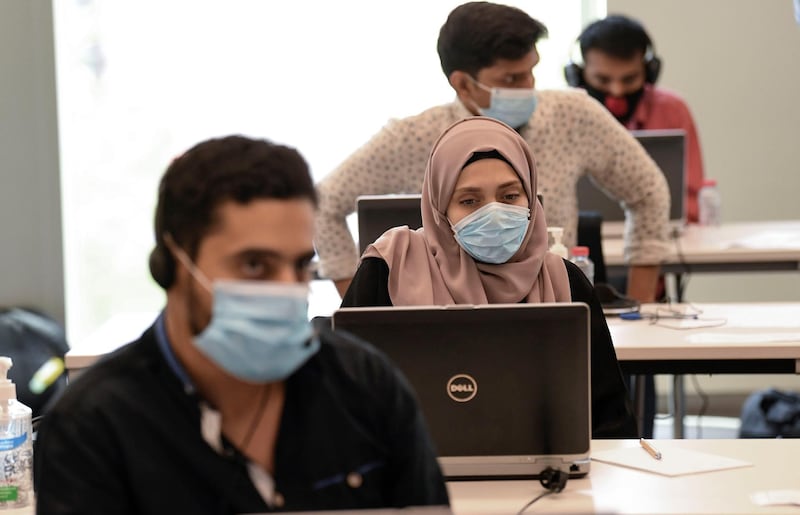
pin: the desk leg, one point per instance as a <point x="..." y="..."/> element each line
<point x="638" y="401"/>
<point x="678" y="407"/>
<point x="678" y="395"/>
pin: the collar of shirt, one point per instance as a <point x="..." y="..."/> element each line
<point x="211" y="420"/>
<point x="165" y="347"/>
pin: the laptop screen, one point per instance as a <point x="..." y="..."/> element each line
<point x="667" y="149"/>
<point x="378" y="213"/>
<point x="504" y="381"/>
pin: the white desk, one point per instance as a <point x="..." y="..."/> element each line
<point x="768" y="246"/>
<point x="756" y="338"/>
<point x="614" y="489"/>
<point x="733" y="247"/>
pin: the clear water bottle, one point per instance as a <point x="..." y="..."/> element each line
<point x="709" y="203"/>
<point x="580" y="256"/>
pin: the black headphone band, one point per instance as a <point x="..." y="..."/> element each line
<point x="573" y="71"/>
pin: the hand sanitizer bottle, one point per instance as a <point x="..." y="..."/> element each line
<point x="557" y="247"/>
<point x="16" y="449"/>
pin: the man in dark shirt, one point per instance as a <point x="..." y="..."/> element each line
<point x="232" y="402"/>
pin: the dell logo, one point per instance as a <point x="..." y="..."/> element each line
<point x="462" y="388"/>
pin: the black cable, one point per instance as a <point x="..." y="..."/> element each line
<point x="680" y="282"/>
<point x="554" y="480"/>
<point x="543" y="494"/>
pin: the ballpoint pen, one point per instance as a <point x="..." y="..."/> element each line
<point x="636" y="315"/>
<point x="650" y="449"/>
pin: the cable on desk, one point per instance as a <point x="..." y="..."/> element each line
<point x="543" y="494"/>
<point x="554" y="480"/>
<point x="669" y="312"/>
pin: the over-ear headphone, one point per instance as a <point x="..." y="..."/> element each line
<point x="162" y="266"/>
<point x="573" y="71"/>
<point x="554" y="480"/>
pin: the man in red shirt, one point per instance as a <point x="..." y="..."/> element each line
<point x="620" y="69"/>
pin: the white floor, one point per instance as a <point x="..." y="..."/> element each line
<point x="698" y="427"/>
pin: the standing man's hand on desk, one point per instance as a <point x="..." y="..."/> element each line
<point x="642" y="282"/>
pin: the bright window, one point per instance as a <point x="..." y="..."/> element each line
<point x="139" y="82"/>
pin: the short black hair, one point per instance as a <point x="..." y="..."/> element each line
<point x="477" y="34"/>
<point x="617" y="36"/>
<point x="233" y="168"/>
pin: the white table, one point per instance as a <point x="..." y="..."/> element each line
<point x="732" y="247"/>
<point x="756" y="338"/>
<point x="767" y="246"/>
<point x="615" y="489"/>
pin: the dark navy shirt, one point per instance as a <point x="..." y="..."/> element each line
<point x="125" y="438"/>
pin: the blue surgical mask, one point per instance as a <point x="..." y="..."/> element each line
<point x="512" y="106"/>
<point x="259" y="330"/>
<point x="493" y="233"/>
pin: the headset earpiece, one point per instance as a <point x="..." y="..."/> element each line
<point x="554" y="479"/>
<point x="652" y="66"/>
<point x="573" y="71"/>
<point x="574" y="75"/>
<point x="162" y="266"/>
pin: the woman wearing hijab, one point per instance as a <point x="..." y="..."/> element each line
<point x="484" y="241"/>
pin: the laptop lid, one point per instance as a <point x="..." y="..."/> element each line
<point x="667" y="149"/>
<point x="504" y="388"/>
<point x="378" y="213"/>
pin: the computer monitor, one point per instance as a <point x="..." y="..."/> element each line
<point x="668" y="150"/>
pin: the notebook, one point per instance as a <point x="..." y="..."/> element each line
<point x="504" y="388"/>
<point x="667" y="148"/>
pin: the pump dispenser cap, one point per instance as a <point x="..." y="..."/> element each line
<point x="8" y="390"/>
<point x="557" y="247"/>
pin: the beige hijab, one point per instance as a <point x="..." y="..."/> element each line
<point x="428" y="266"/>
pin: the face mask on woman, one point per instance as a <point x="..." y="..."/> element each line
<point x="493" y="233"/>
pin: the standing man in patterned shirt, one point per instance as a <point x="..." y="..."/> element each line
<point x="488" y="52"/>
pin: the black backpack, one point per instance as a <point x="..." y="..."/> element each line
<point x="32" y="339"/>
<point x="771" y="414"/>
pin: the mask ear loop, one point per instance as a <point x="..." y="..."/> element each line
<point x="485" y="88"/>
<point x="181" y="256"/>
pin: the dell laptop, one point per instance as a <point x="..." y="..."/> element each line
<point x="504" y="388"/>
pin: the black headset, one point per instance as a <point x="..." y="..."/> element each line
<point x="162" y="264"/>
<point x="573" y="71"/>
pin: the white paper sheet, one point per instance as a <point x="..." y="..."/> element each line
<point x="674" y="460"/>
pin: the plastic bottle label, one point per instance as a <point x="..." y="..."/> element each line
<point x="8" y="493"/>
<point x="7" y="444"/>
